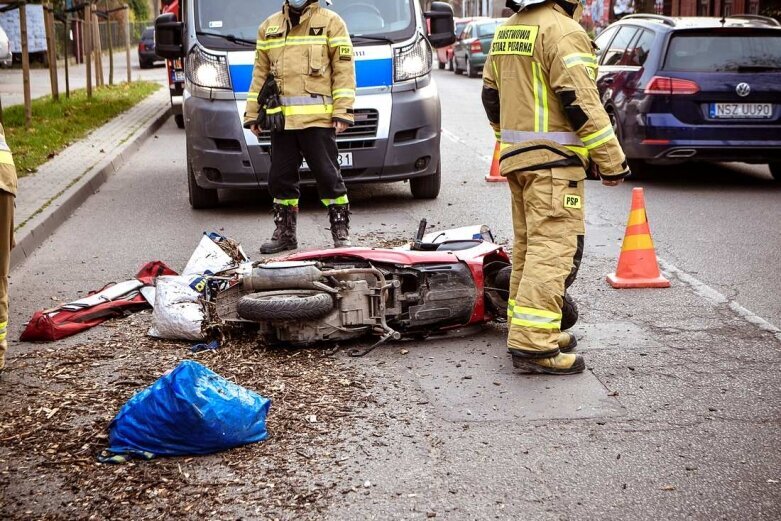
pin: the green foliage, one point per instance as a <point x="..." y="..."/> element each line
<point x="57" y="124"/>
<point x="140" y="9"/>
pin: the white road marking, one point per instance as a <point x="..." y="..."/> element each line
<point x="455" y="139"/>
<point x="717" y="298"/>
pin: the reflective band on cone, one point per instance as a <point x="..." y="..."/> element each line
<point x="494" y="176"/>
<point x="637" y="264"/>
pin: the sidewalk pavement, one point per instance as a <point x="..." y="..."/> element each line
<point x="11" y="85"/>
<point x="46" y="198"/>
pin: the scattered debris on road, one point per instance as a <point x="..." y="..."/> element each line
<point x="57" y="410"/>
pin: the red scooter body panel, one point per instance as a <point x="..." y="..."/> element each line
<point x="401" y="257"/>
<point x="472" y="257"/>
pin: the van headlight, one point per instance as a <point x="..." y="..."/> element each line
<point x="207" y="70"/>
<point x="412" y="61"/>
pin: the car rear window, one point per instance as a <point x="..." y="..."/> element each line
<point x="487" y="29"/>
<point x="148" y="33"/>
<point x="724" y="53"/>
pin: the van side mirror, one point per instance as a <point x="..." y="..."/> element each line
<point x="441" y="25"/>
<point x="168" y="37"/>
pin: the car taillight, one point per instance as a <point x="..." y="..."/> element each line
<point x="664" y="85"/>
<point x="476" y="47"/>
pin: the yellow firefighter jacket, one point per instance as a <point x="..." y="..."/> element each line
<point x="313" y="65"/>
<point x="547" y="111"/>
<point x="7" y="168"/>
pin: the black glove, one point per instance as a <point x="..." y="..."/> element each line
<point x="271" y="117"/>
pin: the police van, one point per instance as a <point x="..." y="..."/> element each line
<point x="397" y="112"/>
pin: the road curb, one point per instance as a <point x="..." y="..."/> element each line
<point x="46" y="222"/>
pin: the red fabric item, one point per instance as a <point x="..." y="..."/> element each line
<point x="49" y="325"/>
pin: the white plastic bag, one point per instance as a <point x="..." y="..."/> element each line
<point x="208" y="258"/>
<point x="178" y="313"/>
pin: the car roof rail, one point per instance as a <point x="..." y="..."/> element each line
<point x="646" y="16"/>
<point x="758" y="18"/>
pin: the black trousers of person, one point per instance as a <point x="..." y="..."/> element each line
<point x="316" y="145"/>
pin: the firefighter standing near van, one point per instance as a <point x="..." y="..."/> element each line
<point x="7" y="196"/>
<point x="541" y="99"/>
<point x="308" y="51"/>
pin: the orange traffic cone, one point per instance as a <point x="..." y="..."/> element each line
<point x="637" y="264"/>
<point x="494" y="176"/>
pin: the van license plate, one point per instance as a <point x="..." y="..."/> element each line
<point x="345" y="161"/>
<point x="741" y="110"/>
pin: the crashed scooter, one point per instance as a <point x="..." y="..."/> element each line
<point x="438" y="283"/>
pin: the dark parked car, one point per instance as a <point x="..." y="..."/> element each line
<point x="694" y="88"/>
<point x="473" y="46"/>
<point x="146" y="49"/>
<point x="445" y="54"/>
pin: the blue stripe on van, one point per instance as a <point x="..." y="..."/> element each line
<point x="374" y="73"/>
<point x="241" y="77"/>
<point x="368" y="73"/>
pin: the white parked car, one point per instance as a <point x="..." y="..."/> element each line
<point x="6" y="59"/>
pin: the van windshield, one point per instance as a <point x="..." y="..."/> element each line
<point x="391" y="19"/>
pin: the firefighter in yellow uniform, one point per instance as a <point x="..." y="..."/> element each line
<point x="541" y="99"/>
<point x="308" y="51"/>
<point x="7" y="195"/>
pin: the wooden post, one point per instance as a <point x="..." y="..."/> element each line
<point x="28" y="103"/>
<point x="127" y="41"/>
<point x="66" y="42"/>
<point x="51" y="47"/>
<point x="110" y="48"/>
<point x="86" y="32"/>
<point x="97" y="50"/>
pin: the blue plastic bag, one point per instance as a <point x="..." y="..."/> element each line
<point x="190" y="410"/>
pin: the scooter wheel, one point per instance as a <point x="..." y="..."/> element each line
<point x="285" y="305"/>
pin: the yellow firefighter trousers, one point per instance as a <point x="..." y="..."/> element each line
<point x="6" y="244"/>
<point x="547" y="219"/>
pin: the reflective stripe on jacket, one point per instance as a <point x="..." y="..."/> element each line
<point x="8" y="181"/>
<point x="549" y="112"/>
<point x="314" y="66"/>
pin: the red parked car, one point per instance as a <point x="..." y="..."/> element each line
<point x="445" y="54"/>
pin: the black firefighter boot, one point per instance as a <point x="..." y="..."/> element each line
<point x="340" y="225"/>
<point x="284" y="238"/>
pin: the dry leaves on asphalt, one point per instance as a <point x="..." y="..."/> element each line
<point x="55" y="414"/>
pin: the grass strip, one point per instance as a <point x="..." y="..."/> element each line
<point x="55" y="125"/>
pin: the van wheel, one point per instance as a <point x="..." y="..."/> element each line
<point x="775" y="171"/>
<point x="179" y="119"/>
<point x="200" y="198"/>
<point x="427" y="187"/>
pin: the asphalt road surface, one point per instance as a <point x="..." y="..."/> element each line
<point x="677" y="418"/>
